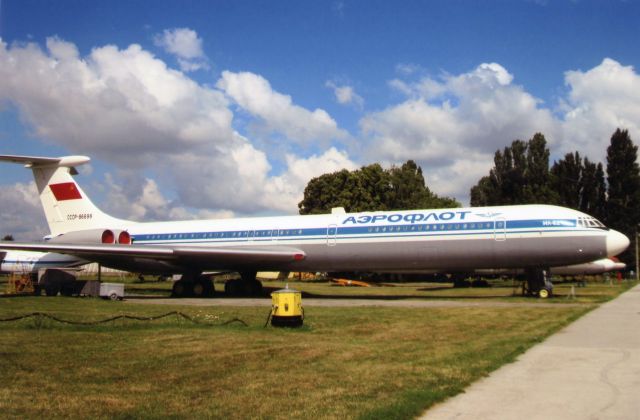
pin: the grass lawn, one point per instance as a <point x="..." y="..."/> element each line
<point x="344" y="362"/>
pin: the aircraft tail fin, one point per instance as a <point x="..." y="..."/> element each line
<point x="66" y="207"/>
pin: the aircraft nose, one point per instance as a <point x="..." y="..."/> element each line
<point x="616" y="243"/>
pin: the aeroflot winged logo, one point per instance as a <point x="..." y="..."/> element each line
<point x="488" y="215"/>
<point x="411" y="217"/>
<point x="65" y="191"/>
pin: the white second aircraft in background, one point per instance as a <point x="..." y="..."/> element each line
<point x="601" y="266"/>
<point x="30" y="262"/>
<point x="534" y="237"/>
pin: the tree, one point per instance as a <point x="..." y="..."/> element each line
<point x="375" y="180"/>
<point x="409" y="190"/>
<point x="623" y="178"/>
<point x="593" y="198"/>
<point x="510" y="173"/>
<point x="371" y="188"/>
<point x="484" y="192"/>
<point x="536" y="175"/>
<point x="566" y="180"/>
<point x="520" y="175"/>
<point x="340" y="189"/>
<point x="579" y="184"/>
<point x="8" y="238"/>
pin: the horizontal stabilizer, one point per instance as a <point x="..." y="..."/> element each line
<point x="35" y="161"/>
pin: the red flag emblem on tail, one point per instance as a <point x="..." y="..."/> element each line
<point x="65" y="191"/>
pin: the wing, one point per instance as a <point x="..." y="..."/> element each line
<point x="160" y="258"/>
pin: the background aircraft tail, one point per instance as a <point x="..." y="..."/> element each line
<point x="66" y="207"/>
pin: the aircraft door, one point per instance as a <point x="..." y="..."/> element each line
<point x="332" y="232"/>
<point x="500" y="229"/>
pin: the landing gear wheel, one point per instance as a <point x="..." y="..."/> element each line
<point x="246" y="286"/>
<point x="233" y="288"/>
<point x="66" y="290"/>
<point x="254" y="288"/>
<point x="51" y="290"/>
<point x="179" y="289"/>
<point x="198" y="289"/>
<point x="207" y="283"/>
<point x="203" y="287"/>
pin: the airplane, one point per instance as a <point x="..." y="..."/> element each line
<point x="27" y="265"/>
<point x="30" y="262"/>
<point x="599" y="266"/>
<point x="448" y="240"/>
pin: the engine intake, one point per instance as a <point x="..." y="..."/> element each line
<point x="124" y="238"/>
<point x="108" y="237"/>
<point x="95" y="236"/>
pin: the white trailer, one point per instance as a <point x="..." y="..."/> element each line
<point x="113" y="291"/>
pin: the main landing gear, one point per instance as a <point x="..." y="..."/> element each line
<point x="193" y="285"/>
<point x="538" y="284"/>
<point x="246" y="285"/>
<point x="201" y="286"/>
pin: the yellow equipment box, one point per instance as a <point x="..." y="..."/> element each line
<point x="286" y="309"/>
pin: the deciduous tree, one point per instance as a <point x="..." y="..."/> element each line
<point x="623" y="179"/>
<point x="371" y="188"/>
<point x="520" y="176"/>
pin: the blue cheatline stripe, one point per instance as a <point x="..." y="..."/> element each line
<point x="36" y="262"/>
<point x="401" y="230"/>
<point x="545" y="223"/>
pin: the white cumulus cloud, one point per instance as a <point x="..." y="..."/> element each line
<point x="284" y="192"/>
<point x="21" y="215"/>
<point x="346" y="95"/>
<point x="255" y="95"/>
<point x="128" y="108"/>
<point x="185" y="44"/>
<point x="455" y="122"/>
<point x="600" y="100"/>
<point x="180" y="150"/>
<point x="120" y="105"/>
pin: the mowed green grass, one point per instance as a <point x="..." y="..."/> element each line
<point x="343" y="363"/>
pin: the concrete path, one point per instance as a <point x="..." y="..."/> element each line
<point x="589" y="370"/>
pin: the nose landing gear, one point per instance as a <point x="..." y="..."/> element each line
<point x="538" y="284"/>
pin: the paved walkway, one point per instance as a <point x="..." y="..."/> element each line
<point x="589" y="370"/>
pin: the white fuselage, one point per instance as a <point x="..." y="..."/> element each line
<point x="444" y="239"/>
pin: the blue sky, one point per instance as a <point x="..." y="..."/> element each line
<point x="227" y="108"/>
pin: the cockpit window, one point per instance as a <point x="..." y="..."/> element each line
<point x="590" y="222"/>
